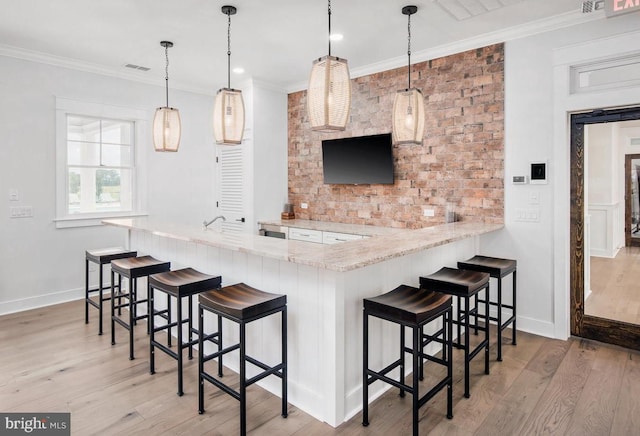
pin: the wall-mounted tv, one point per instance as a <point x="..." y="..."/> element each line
<point x="363" y="160"/>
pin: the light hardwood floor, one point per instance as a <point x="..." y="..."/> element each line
<point x="614" y="286"/>
<point x="50" y="361"/>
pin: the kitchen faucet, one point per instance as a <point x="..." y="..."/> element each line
<point x="206" y="223"/>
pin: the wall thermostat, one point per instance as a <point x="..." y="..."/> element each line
<point x="519" y="180"/>
<point x="538" y="174"/>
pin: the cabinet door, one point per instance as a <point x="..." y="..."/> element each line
<point x="305" y="235"/>
<point x="336" y="238"/>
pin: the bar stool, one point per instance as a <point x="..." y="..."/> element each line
<point x="101" y="257"/>
<point x="177" y="284"/>
<point x="464" y="285"/>
<point x="242" y="304"/>
<point x="132" y="268"/>
<point x="414" y="308"/>
<point x="498" y="269"/>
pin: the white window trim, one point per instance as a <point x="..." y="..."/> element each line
<point x="65" y="106"/>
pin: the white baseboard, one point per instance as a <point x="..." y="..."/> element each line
<point x="35" y="302"/>
<point x="536" y="327"/>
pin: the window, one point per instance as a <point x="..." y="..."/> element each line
<point x="99" y="165"/>
<point x="97" y="162"/>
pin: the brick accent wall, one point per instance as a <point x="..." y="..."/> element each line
<point x="460" y="163"/>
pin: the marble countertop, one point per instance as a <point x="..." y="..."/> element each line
<point x="355" y="229"/>
<point x="345" y="256"/>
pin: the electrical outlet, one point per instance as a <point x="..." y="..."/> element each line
<point x="13" y="195"/>
<point x="20" y="212"/>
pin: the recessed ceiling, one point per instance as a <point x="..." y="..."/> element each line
<point x="275" y="41"/>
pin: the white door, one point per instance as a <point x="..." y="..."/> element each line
<point x="232" y="187"/>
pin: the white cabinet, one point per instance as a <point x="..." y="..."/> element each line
<point x="305" y="235"/>
<point x="335" y="238"/>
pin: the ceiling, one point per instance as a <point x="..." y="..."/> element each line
<point x="274" y="41"/>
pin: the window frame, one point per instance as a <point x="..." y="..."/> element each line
<point x="66" y="107"/>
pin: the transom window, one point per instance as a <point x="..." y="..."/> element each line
<point x="99" y="165"/>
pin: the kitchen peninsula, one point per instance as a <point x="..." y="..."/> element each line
<point x="324" y="284"/>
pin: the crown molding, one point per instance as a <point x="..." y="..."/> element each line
<point x="87" y="67"/>
<point x="516" y="32"/>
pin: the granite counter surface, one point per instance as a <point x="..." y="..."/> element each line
<point x="383" y="243"/>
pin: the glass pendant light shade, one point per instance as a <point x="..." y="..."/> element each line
<point x="166" y="122"/>
<point x="228" y="108"/>
<point x="166" y="129"/>
<point x="329" y="94"/>
<point x="408" y="117"/>
<point x="408" y="106"/>
<point x="329" y="91"/>
<point x="228" y="116"/>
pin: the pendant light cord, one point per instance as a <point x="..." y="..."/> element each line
<point x="166" y="72"/>
<point x="229" y="50"/>
<point x="409" y="48"/>
<point x="329" y="27"/>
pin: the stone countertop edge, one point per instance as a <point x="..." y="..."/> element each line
<point x="341" y="257"/>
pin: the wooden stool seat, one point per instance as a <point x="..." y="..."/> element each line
<point x="414" y="308"/>
<point x="177" y="284"/>
<point x="407" y="304"/>
<point x="132" y="268"/>
<point x="465" y="285"/>
<point x="241" y="303"/>
<point x="497" y="268"/>
<point x="100" y="257"/>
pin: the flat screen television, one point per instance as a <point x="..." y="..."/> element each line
<point x="363" y="160"/>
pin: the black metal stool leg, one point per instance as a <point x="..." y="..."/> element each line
<point x="190" y="325"/>
<point x="119" y="293"/>
<point x="486" y="330"/>
<point x="219" y="345"/>
<point x="285" y="413"/>
<point x="499" y="318"/>
<point x="132" y="312"/>
<point x="243" y="381"/>
<point x="169" y="320"/>
<point x="100" y="299"/>
<point x="113" y="312"/>
<point x="179" y="347"/>
<point x="466" y="350"/>
<point x="449" y="346"/>
<point x="365" y="367"/>
<point x="417" y="339"/>
<point x="513" y="303"/>
<point x="200" y="360"/>
<point x="402" y="362"/>
<point x="86" y="291"/>
<point x="152" y="335"/>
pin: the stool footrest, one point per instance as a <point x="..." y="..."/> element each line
<point x="276" y="370"/>
<point x="433" y="391"/>
<point x="220" y="353"/>
<point x="235" y="394"/>
<point x="380" y="376"/>
<point x="478" y="349"/>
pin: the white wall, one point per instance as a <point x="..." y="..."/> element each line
<point x="537" y="103"/>
<point x="270" y="152"/>
<point x="40" y="264"/>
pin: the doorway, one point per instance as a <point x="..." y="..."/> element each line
<point x="584" y="324"/>
<point x="632" y="200"/>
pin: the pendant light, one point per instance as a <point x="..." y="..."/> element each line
<point x="166" y="122"/>
<point x="228" y="108"/>
<point x="408" y="106"/>
<point x="329" y="93"/>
